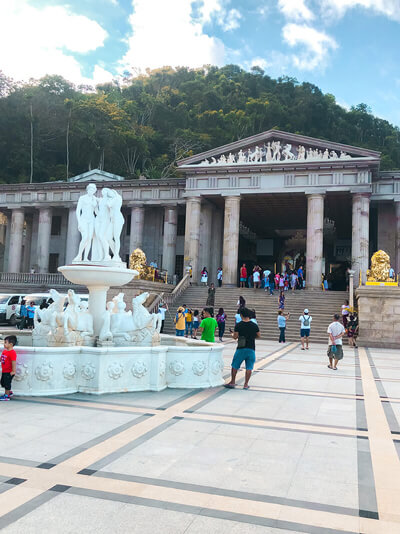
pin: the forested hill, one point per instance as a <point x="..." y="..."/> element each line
<point x="143" y="125"/>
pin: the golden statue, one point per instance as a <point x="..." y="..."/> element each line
<point x="380" y="268"/>
<point x="137" y="261"/>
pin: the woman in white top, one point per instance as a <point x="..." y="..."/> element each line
<point x="345" y="312"/>
<point x="204" y="276"/>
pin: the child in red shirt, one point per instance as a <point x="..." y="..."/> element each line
<point x="8" y="361"/>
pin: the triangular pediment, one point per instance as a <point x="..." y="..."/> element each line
<point x="96" y="175"/>
<point x="275" y="146"/>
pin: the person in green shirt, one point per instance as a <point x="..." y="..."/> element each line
<point x="208" y="325"/>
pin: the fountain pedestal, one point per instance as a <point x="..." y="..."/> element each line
<point x="98" y="277"/>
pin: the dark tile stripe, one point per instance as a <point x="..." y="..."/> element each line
<point x="208" y="512"/>
<point x="258" y="497"/>
<point x="26" y="508"/>
<point x="368" y="506"/>
<point x="132" y="445"/>
<point x="95" y="441"/>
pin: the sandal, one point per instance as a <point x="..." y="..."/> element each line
<point x="335" y="368"/>
<point x="330" y="367"/>
<point x="246" y="387"/>
<point x="229" y="386"/>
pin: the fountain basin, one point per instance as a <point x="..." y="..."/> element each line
<point x="96" y="370"/>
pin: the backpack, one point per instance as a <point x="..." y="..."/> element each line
<point x="306" y="321"/>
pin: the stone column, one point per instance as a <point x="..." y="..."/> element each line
<point x="205" y="240"/>
<point x="216" y="243"/>
<point x="26" y="262"/>
<point x="169" y="241"/>
<point x="43" y="246"/>
<point x="351" y="289"/>
<point x="360" y="236"/>
<point x="192" y="236"/>
<point x="315" y="241"/>
<point x="137" y="226"/>
<point x="230" y="252"/>
<point x="397" y="259"/>
<point x="73" y="237"/>
<point x="16" y="231"/>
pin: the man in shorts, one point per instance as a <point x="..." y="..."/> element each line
<point x="246" y="331"/>
<point x="335" y="348"/>
<point x="305" y="328"/>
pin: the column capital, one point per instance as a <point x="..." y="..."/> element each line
<point x="316" y="194"/>
<point x="361" y="194"/>
<point x="194" y="199"/>
<point x="236" y="198"/>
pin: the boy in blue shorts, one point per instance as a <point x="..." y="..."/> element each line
<point x="245" y="332"/>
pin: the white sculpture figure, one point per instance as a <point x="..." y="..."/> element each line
<point x="268" y="156"/>
<point x="326" y="154"/>
<point x="72" y="326"/>
<point x="43" y="319"/>
<point x="85" y="213"/>
<point x="121" y="324"/>
<point x="117" y="222"/>
<point x="105" y="332"/>
<point x="213" y="161"/>
<point x="205" y="162"/>
<point x="241" y="156"/>
<point x="301" y="152"/>
<point x="256" y="155"/>
<point x="222" y="159"/>
<point x="231" y="158"/>
<point x="85" y="323"/>
<point x="287" y="152"/>
<point x="276" y="150"/>
<point x="333" y="155"/>
<point x="116" y="299"/>
<point x="143" y="320"/>
<point x="310" y="153"/>
<point x="102" y="226"/>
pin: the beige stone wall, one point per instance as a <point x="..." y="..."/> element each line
<point x="379" y="316"/>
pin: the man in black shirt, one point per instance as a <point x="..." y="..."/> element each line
<point x="246" y="331"/>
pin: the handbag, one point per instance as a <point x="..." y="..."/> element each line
<point x="333" y="349"/>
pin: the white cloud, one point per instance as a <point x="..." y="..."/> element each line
<point x="295" y="10"/>
<point x="315" y="45"/>
<point x="37" y="41"/>
<point x="231" y="21"/>
<point x="338" y="8"/>
<point x="166" y="33"/>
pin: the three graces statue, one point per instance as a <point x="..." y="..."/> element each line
<point x="100" y="223"/>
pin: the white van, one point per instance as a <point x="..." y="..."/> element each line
<point x="39" y="298"/>
<point x="9" y="308"/>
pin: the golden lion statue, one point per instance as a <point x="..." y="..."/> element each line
<point x="380" y="268"/>
<point x="138" y="261"/>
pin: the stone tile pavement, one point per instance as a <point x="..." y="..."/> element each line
<point x="306" y="449"/>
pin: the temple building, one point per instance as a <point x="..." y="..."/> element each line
<point x="276" y="199"/>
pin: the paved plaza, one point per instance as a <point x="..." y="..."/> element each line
<point x="306" y="449"/>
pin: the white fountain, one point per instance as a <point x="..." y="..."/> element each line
<point x="100" y="347"/>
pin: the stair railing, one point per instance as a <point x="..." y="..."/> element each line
<point x="170" y="298"/>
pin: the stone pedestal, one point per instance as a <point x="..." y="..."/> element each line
<point x="73" y="237"/>
<point x="231" y="241"/>
<point x="44" y="232"/>
<point x="192" y="236"/>
<point x="360" y="236"/>
<point x="17" y="227"/>
<point x="315" y="241"/>
<point x="169" y="242"/>
<point x="379" y="316"/>
<point x="137" y="226"/>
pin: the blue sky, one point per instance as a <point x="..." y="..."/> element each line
<point x="349" y="48"/>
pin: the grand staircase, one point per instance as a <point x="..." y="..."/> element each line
<point x="321" y="305"/>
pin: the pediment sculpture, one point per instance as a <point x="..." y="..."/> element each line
<point x="273" y="152"/>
